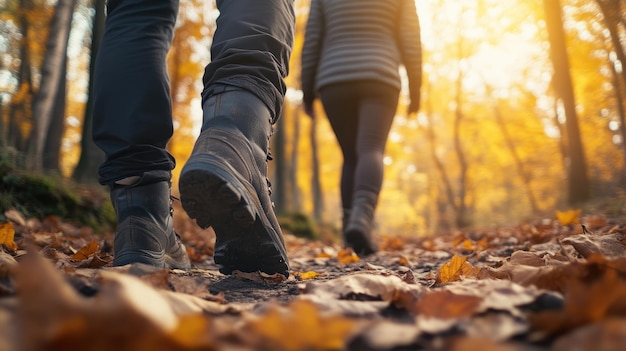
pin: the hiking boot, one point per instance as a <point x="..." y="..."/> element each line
<point x="358" y="231"/>
<point x="145" y="231"/>
<point x="224" y="185"/>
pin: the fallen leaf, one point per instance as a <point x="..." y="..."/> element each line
<point x="15" y="216"/>
<point x="86" y="251"/>
<point x="606" y="335"/>
<point x="126" y="314"/>
<point x="585" y="302"/>
<point x="468" y="245"/>
<point x="259" y="277"/>
<point x="403" y="261"/>
<point x="306" y="275"/>
<point x="455" y="269"/>
<point x="7" y="234"/>
<point x="391" y="244"/>
<point x="479" y="343"/>
<point x="446" y="305"/>
<point x="568" y="217"/>
<point x="299" y="326"/>
<point x="347" y="256"/>
<point x="609" y="246"/>
<point x="368" y="286"/>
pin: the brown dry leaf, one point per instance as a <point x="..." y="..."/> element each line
<point x="594" y="221"/>
<point x="7" y="235"/>
<point x="368" y="286"/>
<point x="86" y="251"/>
<point x="479" y="343"/>
<point x="15" y="216"/>
<point x="7" y="264"/>
<point x="391" y="244"/>
<point x="585" y="302"/>
<point x="95" y="262"/>
<point x="455" y="269"/>
<point x="444" y="304"/>
<point x="347" y="256"/>
<point x="526" y="258"/>
<point x="126" y="314"/>
<point x="568" y="217"/>
<point x="300" y="326"/>
<point x="388" y="335"/>
<point x="259" y="277"/>
<point x="607" y="335"/>
<point x="609" y="246"/>
<point x="403" y="261"/>
<point x="54" y="240"/>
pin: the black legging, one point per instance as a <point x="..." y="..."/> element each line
<point x="360" y="114"/>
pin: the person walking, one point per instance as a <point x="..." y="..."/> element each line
<point x="223" y="184"/>
<point x="350" y="58"/>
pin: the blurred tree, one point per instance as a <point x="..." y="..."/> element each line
<point x="91" y="156"/>
<point x="19" y="109"/>
<point x="578" y="180"/>
<point x="51" y="73"/>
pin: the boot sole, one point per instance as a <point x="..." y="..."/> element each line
<point x="359" y="242"/>
<point x="215" y="195"/>
<point x="152" y="258"/>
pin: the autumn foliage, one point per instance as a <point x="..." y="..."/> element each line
<point x="551" y="284"/>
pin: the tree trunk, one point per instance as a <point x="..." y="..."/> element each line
<point x="91" y="156"/>
<point x="52" y="149"/>
<point x="44" y="100"/>
<point x="462" y="219"/>
<point x="316" y="186"/>
<point x="19" y="109"/>
<point x="526" y="181"/>
<point x="293" y="164"/>
<point x="579" y="188"/>
<point x="612" y="17"/>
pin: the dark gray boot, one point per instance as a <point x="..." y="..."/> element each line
<point x="145" y="231"/>
<point x="224" y="185"/>
<point x="358" y="232"/>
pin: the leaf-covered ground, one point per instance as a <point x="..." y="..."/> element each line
<point x="550" y="284"/>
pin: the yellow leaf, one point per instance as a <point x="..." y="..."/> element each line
<point x="468" y="245"/>
<point x="454" y="269"/>
<point x="347" y="256"/>
<point x="86" y="251"/>
<point x="568" y="217"/>
<point x="301" y="327"/>
<point x="323" y="255"/>
<point x="7" y="236"/>
<point x="307" y="275"/>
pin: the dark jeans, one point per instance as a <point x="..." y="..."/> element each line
<point x="360" y="114"/>
<point x="133" y="112"/>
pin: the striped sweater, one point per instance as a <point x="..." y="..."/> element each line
<point x="353" y="40"/>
